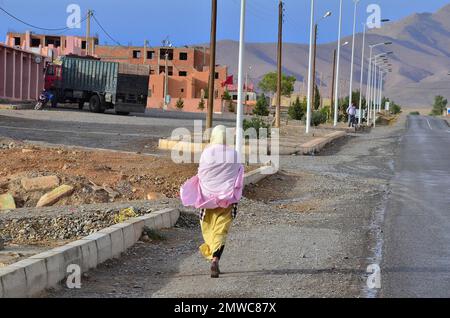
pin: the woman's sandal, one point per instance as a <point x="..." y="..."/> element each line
<point x="215" y="271"/>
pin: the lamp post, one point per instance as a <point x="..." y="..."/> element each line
<point x="310" y="71"/>
<point x="376" y="83"/>
<point x="362" y="75"/>
<point x="353" y="53"/>
<point x="240" y="116"/>
<point x="336" y="89"/>
<point x="370" y="76"/>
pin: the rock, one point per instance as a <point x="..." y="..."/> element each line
<point x="145" y="238"/>
<point x="7" y="202"/>
<point x="24" y="150"/>
<point x="154" y="196"/>
<point x="40" y="183"/>
<point x="53" y="196"/>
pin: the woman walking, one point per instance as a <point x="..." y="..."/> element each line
<point x="215" y="191"/>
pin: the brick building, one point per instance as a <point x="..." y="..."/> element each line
<point x="50" y="45"/>
<point x="188" y="67"/>
<point x="188" y="73"/>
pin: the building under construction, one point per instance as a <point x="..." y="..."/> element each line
<point x="181" y="73"/>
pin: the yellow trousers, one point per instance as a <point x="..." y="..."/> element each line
<point x="215" y="226"/>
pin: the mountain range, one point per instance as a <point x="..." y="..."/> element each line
<point x="421" y="59"/>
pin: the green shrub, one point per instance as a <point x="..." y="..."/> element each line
<point x="262" y="106"/>
<point x="318" y="117"/>
<point x="180" y="103"/>
<point x="256" y="123"/>
<point x="439" y="106"/>
<point x="414" y="113"/>
<point x="298" y="109"/>
<point x="201" y="104"/>
<point x="395" y="109"/>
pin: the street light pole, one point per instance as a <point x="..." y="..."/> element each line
<point x="336" y="89"/>
<point x="362" y="76"/>
<point x="310" y="75"/>
<point x="375" y="82"/>
<point x="239" y="111"/>
<point x="353" y="53"/>
<point x="369" y="84"/>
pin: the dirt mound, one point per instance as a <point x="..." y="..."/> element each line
<point x="97" y="176"/>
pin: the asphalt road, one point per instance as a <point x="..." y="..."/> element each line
<point x="416" y="258"/>
<point x="136" y="133"/>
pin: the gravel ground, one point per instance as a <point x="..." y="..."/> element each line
<point x="313" y="236"/>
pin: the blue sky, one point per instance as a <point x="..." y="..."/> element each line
<point x="187" y="21"/>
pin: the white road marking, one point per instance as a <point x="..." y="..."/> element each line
<point x="429" y="125"/>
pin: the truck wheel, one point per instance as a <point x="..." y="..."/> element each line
<point x="81" y="104"/>
<point x="123" y="113"/>
<point x="95" y="105"/>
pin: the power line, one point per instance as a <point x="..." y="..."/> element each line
<point x="34" y="26"/>
<point x="103" y="29"/>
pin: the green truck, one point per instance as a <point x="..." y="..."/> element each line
<point x="104" y="85"/>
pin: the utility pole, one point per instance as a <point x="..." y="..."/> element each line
<point x="313" y="97"/>
<point x="212" y="65"/>
<point x="279" y="64"/>
<point x="246" y="92"/>
<point x="88" y="31"/>
<point x="145" y="51"/>
<point x="333" y="80"/>
<point x="166" y="80"/>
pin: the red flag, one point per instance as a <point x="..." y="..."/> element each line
<point x="229" y="81"/>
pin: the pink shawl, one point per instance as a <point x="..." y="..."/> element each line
<point x="219" y="182"/>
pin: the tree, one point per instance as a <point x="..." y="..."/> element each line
<point x="317" y="98"/>
<point x="180" y="103"/>
<point x="439" y="106"/>
<point x="201" y="104"/>
<point x="269" y="84"/>
<point x="262" y="106"/>
<point x="226" y="96"/>
<point x="298" y="109"/>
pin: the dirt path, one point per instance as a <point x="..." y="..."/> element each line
<point x="308" y="232"/>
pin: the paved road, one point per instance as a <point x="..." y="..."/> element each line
<point x="312" y="237"/>
<point x="138" y="133"/>
<point x="416" y="258"/>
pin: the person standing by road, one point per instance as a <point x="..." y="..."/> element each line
<point x="215" y="191"/>
<point x="351" y="111"/>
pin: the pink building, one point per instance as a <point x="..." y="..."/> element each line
<point x="50" y="45"/>
<point x="21" y="74"/>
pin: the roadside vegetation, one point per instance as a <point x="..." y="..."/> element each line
<point x="439" y="106"/>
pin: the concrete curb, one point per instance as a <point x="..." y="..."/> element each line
<point x="316" y="145"/>
<point x="258" y="175"/>
<point x="31" y="276"/>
